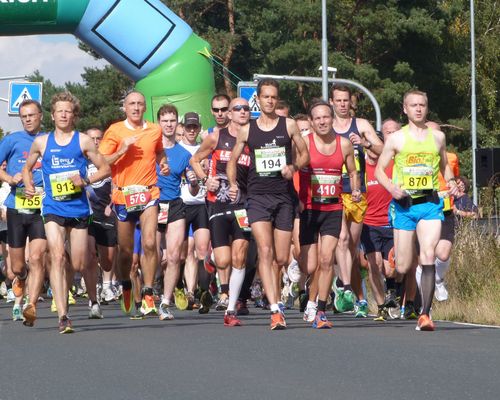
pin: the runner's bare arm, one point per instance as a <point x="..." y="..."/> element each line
<point x="206" y="148"/>
<point x="122" y="147"/>
<point x="385" y="158"/>
<point x="301" y="151"/>
<point x="96" y="158"/>
<point x="350" y="164"/>
<point x="370" y="139"/>
<point x="36" y="151"/>
<point x="238" y="148"/>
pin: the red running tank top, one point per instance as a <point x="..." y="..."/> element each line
<point x="377" y="197"/>
<point x="321" y="180"/>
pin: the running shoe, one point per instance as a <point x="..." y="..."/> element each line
<point x="382" y="315"/>
<point x="425" y="324"/>
<point x="148" y="305"/>
<point x="95" y="311"/>
<point x="191" y="301"/>
<point x="65" y="325"/>
<point x="230" y="319"/>
<point x="222" y="303"/>
<point x="348" y="300"/>
<point x="107" y="294"/>
<point x="394" y="312"/>
<point x="127" y="303"/>
<point x="11" y="297"/>
<point x="17" y="313"/>
<point x="282" y="307"/>
<point x="242" y="308"/>
<point x="361" y="309"/>
<point x="206" y="302"/>
<point x="164" y="313"/>
<point x="29" y="314"/>
<point x="293" y="271"/>
<point x="391" y="299"/>
<point x="303" y="298"/>
<point x="310" y="314"/>
<point x="71" y="299"/>
<point x="3" y="289"/>
<point x="180" y="299"/>
<point x="440" y="292"/>
<point x="18" y="285"/>
<point x="277" y="321"/>
<point x="410" y="312"/>
<point x="137" y="314"/>
<point x="321" y="322"/>
<point x="53" y="306"/>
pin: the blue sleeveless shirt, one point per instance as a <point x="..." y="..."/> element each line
<point x="61" y="197"/>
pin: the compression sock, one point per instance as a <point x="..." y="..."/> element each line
<point x="427" y="283"/>
<point x="441" y="268"/>
<point x="235" y="283"/>
<point x="203" y="276"/>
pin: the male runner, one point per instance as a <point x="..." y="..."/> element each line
<point x="419" y="154"/>
<point x="132" y="148"/>
<point x="270" y="206"/>
<point x="23" y="215"/>
<point x="172" y="212"/>
<point x="65" y="206"/>
<point x="228" y="223"/>
<point x="362" y="136"/>
<point x="320" y="197"/>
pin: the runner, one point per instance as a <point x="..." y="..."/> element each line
<point x="228" y="223"/>
<point x="132" y="148"/>
<point x="270" y="206"/>
<point x="65" y="207"/>
<point x="362" y="136"/>
<point x="419" y="154"/>
<point x="23" y="214"/>
<point x="320" y="197"/>
<point x="172" y="212"/>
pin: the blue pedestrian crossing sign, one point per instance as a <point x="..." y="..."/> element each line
<point x="20" y="91"/>
<point x="248" y="90"/>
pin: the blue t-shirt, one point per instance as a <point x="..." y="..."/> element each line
<point x="178" y="160"/>
<point x="14" y="149"/>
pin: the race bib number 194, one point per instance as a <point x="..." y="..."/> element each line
<point x="269" y="162"/>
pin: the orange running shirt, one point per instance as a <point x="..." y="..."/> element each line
<point x="453" y="163"/>
<point x="138" y="165"/>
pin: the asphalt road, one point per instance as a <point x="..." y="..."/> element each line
<point x="196" y="357"/>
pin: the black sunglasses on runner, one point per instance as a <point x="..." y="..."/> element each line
<point x="222" y="109"/>
<point x="240" y="107"/>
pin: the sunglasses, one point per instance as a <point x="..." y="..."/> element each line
<point x="218" y="110"/>
<point x="240" y="107"/>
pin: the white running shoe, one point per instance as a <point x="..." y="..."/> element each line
<point x="440" y="292"/>
<point x="310" y="314"/>
<point x="108" y="294"/>
<point x="95" y="311"/>
<point x="293" y="271"/>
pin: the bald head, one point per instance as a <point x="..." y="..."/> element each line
<point x="239" y="111"/>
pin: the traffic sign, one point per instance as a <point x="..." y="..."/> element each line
<point x="20" y="91"/>
<point x="248" y="90"/>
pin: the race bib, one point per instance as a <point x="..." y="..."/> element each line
<point x="163" y="213"/>
<point x="136" y="197"/>
<point x="28" y="205"/>
<point x="241" y="217"/>
<point x="62" y="186"/>
<point x="269" y="162"/>
<point x="324" y="188"/>
<point x="418" y="177"/>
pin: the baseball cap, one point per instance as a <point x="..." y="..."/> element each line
<point x="192" y="118"/>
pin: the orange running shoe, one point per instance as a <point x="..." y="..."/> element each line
<point x="277" y="321"/>
<point x="127" y="302"/>
<point x="231" y="320"/>
<point x="424" y="323"/>
<point x="29" y="314"/>
<point x="321" y="322"/>
<point x="18" y="286"/>
<point x="148" y="305"/>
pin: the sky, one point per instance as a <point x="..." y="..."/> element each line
<point x="57" y="57"/>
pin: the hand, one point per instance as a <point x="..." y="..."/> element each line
<point x="191" y="178"/>
<point x="78" y="181"/>
<point x="16" y="179"/>
<point x="108" y="210"/>
<point x="164" y="169"/>
<point x="355" y="139"/>
<point x="356" y="195"/>
<point x="213" y="183"/>
<point x="287" y="171"/>
<point x="396" y="192"/>
<point x="453" y="189"/>
<point x="233" y="192"/>
<point x="126" y="143"/>
<point x="29" y="190"/>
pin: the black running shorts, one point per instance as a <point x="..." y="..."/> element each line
<point x="377" y="239"/>
<point x="22" y="226"/>
<point x="275" y="208"/>
<point x="315" y="222"/>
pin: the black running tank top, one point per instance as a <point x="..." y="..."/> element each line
<point x="270" y="151"/>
